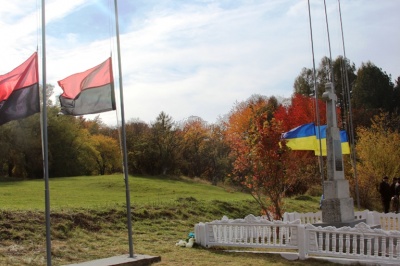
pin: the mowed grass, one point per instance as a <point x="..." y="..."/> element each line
<point x="88" y="220"/>
<point x="105" y="191"/>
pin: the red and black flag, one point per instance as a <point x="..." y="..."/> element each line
<point x="19" y="91"/>
<point x="88" y="92"/>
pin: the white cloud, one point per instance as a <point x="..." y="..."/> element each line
<point x="199" y="59"/>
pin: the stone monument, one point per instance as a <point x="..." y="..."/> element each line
<point x="337" y="205"/>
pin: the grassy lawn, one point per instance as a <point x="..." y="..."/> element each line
<point x="97" y="192"/>
<point x="88" y="220"/>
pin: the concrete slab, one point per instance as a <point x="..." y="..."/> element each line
<point x="123" y="260"/>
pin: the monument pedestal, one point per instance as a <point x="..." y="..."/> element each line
<point x="338" y="210"/>
<point x="337" y="207"/>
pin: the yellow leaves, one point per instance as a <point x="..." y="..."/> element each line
<point x="378" y="153"/>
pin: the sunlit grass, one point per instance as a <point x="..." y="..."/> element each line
<point x="96" y="192"/>
<point x="88" y="220"/>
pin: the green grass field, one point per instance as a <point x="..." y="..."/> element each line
<point x="88" y="220"/>
<point x="95" y="192"/>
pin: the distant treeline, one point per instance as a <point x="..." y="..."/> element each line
<point x="195" y="148"/>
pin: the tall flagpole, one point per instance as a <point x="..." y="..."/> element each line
<point x="321" y="168"/>
<point x="123" y="137"/>
<point x="332" y="78"/>
<point x="44" y="139"/>
<point x="351" y="128"/>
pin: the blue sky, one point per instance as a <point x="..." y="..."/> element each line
<point x="198" y="57"/>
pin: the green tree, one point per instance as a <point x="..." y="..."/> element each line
<point x="71" y="149"/>
<point x="304" y="83"/>
<point x="372" y="89"/>
<point x="141" y="153"/>
<point x="396" y="98"/>
<point x="5" y="149"/>
<point x="217" y="151"/>
<point x="344" y="76"/>
<point x="195" y="135"/>
<point x="20" y="144"/>
<point x="165" y="142"/>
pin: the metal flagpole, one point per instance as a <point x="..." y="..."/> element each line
<point x="332" y="78"/>
<point x="351" y="128"/>
<point x="321" y="168"/>
<point x="123" y="137"/>
<point x="44" y="139"/>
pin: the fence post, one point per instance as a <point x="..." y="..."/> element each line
<point x="302" y="241"/>
<point x="206" y="235"/>
<point x="371" y="218"/>
<point x="199" y="233"/>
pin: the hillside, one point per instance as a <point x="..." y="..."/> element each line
<point x="88" y="220"/>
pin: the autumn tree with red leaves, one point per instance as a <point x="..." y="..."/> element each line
<point x="301" y="110"/>
<point x="263" y="164"/>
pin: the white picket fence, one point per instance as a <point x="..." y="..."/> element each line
<point x="387" y="221"/>
<point x="359" y="242"/>
<point x="296" y="232"/>
<point x="248" y="232"/>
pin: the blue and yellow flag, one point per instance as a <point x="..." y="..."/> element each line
<point x="301" y="138"/>
<point x="306" y="137"/>
<point x="343" y="138"/>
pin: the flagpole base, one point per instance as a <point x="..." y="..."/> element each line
<point x="123" y="260"/>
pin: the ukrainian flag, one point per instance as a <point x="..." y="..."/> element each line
<point x="306" y="137"/>
<point x="343" y="138"/>
<point x="301" y="138"/>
